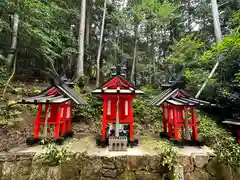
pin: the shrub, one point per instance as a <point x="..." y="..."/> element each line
<point x="226" y="149"/>
<point x="54" y="156"/>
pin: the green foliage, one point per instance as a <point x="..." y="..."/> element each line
<point x="9" y="114"/>
<point x="144" y="113"/>
<point x="163" y="11"/>
<point x="54" y="156"/>
<point x="168" y="152"/>
<point x="187" y="51"/>
<point x="236" y="19"/>
<point x="92" y="110"/>
<point x="226" y="149"/>
<point x="148" y="89"/>
<point x="4" y="73"/>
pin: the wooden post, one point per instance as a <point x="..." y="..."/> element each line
<point x="104" y="120"/>
<point x="175" y="119"/>
<point x="170" y="120"/>
<point x="69" y="118"/>
<point x="194" y="128"/>
<point x="37" y="121"/>
<point x="131" y="122"/>
<point x="57" y="126"/>
<point x="186" y="132"/>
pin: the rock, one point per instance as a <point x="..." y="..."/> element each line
<point x="236" y="174"/>
<point x="70" y="170"/>
<point x="144" y="175"/>
<point x="109" y="173"/>
<point x="7" y="157"/>
<point x="156" y="166"/>
<point x="1" y="167"/>
<point x="39" y="173"/>
<point x="127" y="175"/>
<point x="108" y="163"/>
<point x="91" y="168"/>
<point x="178" y="172"/>
<point x="23" y="169"/>
<point x="212" y="166"/>
<point x="7" y="171"/>
<point x="187" y="163"/>
<point x="198" y="174"/>
<point x="121" y="164"/>
<point x="224" y="172"/>
<point x="54" y="173"/>
<point x="132" y="163"/>
<point x="200" y="161"/>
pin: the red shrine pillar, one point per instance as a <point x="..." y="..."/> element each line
<point x="37" y="121"/>
<point x="170" y="120"/>
<point x="175" y="122"/>
<point x="104" y="120"/>
<point x="194" y="125"/>
<point x="130" y="109"/>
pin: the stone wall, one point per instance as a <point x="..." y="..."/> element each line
<point x="28" y="166"/>
<point x="198" y="167"/>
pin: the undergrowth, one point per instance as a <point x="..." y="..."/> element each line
<point x="55" y="156"/>
<point x="226" y="147"/>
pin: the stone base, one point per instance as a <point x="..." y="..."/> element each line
<point x="181" y="142"/>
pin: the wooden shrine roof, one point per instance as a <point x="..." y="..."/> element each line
<point x="232" y="122"/>
<point x="177" y="97"/>
<point x="117" y="85"/>
<point x="55" y="94"/>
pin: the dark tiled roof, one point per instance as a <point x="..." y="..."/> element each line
<point x="59" y="92"/>
<point x="177" y="97"/>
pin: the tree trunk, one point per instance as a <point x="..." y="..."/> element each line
<point x="218" y="34"/>
<point x="189" y="22"/>
<point x="88" y="22"/>
<point x="80" y="58"/>
<point x="14" y="36"/>
<point x="100" y="43"/>
<point x="135" y="51"/>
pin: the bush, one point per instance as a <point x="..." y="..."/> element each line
<point x="226" y="149"/>
<point x="92" y="110"/>
<point x="144" y="113"/>
<point x="54" y="156"/>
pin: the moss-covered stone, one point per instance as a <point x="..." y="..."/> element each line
<point x="39" y="172"/>
<point x="198" y="174"/>
<point x="70" y="170"/>
<point x="187" y="163"/>
<point x="8" y="170"/>
<point x="54" y="173"/>
<point x="127" y="175"/>
<point x="143" y="175"/>
<point x="22" y="170"/>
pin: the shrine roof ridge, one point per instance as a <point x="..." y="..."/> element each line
<point x="111" y="87"/>
<point x="177" y="97"/>
<point x="65" y="94"/>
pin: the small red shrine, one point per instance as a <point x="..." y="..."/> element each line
<point x="54" y="112"/>
<point x="117" y="94"/>
<point x="178" y="116"/>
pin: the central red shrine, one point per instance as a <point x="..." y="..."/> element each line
<point x="179" y="119"/>
<point x="117" y="94"/>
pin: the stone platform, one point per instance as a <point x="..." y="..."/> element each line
<point x="88" y="162"/>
